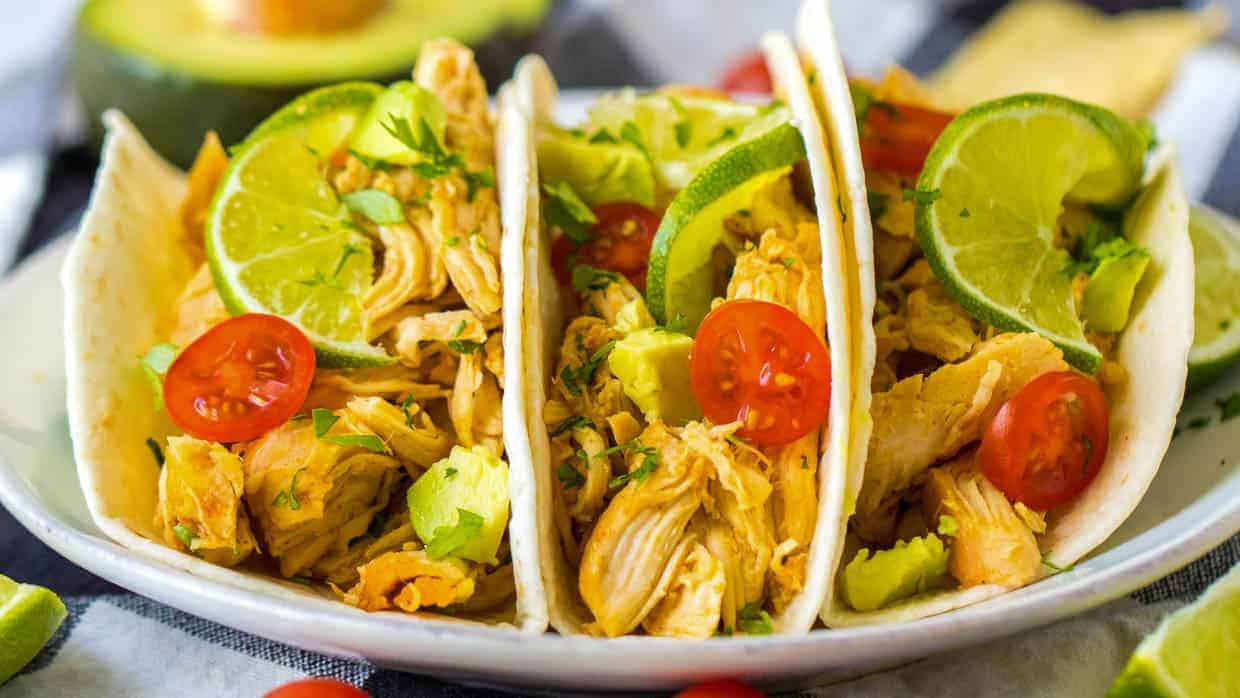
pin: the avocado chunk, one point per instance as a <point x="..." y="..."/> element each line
<point x="653" y="367"/>
<point x="908" y="569"/>
<point x="598" y="172"/>
<point x="401" y="101"/>
<point x="459" y="506"/>
<point x="633" y="316"/>
<point x="1108" y="296"/>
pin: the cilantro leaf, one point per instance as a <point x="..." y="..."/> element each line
<point x="323" y="420"/>
<point x="574" y="376"/>
<point x="1046" y="562"/>
<point x="568" y="475"/>
<point x="464" y="346"/>
<point x="1228" y="407"/>
<point x="753" y="620"/>
<point x="862" y="99"/>
<point x="370" y="442"/>
<point x="684" y="133"/>
<point x="372" y="163"/>
<point x="587" y="278"/>
<point x="1199" y="422"/>
<point x="185" y="535"/>
<point x="727" y="134"/>
<point x="602" y="136"/>
<point x="447" y="539"/>
<point x="631" y="133"/>
<point x="878" y="204"/>
<point x="156" y="452"/>
<point x="404" y="408"/>
<point x="349" y="250"/>
<point x="380" y="207"/>
<point x="650" y="461"/>
<point x="564" y="209"/>
<point x="574" y="422"/>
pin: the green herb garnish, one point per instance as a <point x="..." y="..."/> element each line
<point x="564" y="209"/>
<point x="753" y="620"/>
<point x="156" y="452"/>
<point x="449" y="538"/>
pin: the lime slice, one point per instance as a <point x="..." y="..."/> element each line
<point x="1216" y="308"/>
<point x="683" y="276"/>
<point x="990" y="195"/>
<point x="1193" y="654"/>
<point x="680" y="134"/>
<point x="276" y="232"/>
<point x="29" y="616"/>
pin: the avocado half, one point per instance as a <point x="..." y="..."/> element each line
<point x="176" y="79"/>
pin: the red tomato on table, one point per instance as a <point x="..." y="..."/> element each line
<point x="748" y="74"/>
<point x="1049" y="441"/>
<point x="620" y="242"/>
<point x="758" y="363"/>
<point x="318" y="688"/>
<point x="240" y="379"/>
<point x="724" y="688"/>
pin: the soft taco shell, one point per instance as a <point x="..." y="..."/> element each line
<point x="1153" y="348"/>
<point x="123" y="272"/>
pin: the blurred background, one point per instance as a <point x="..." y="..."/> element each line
<point x="179" y="67"/>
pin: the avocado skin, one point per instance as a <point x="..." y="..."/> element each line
<point x="173" y="109"/>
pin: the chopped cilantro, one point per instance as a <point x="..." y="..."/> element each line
<point x="449" y="538"/>
<point x="587" y="278"/>
<point x="156" y="451"/>
<point x="678" y="323"/>
<point x="684" y="127"/>
<point x="185" y="535"/>
<point x="964" y="213"/>
<point x="878" y="204"/>
<point x="479" y="241"/>
<point x="1229" y="407"/>
<point x="482" y="179"/>
<point x="449" y="473"/>
<point x="453" y="241"/>
<point x="1224" y="325"/>
<point x="1199" y="422"/>
<point x="602" y="136"/>
<point x="568" y="475"/>
<point x="630" y="133"/>
<point x="839" y="205"/>
<point x="464" y="346"/>
<point x="573" y="377"/>
<point x="1046" y="562"/>
<point x="948" y="526"/>
<point x="650" y="461"/>
<point x="921" y="197"/>
<point x="753" y="620"/>
<point x="320" y="279"/>
<point x="574" y="422"/>
<point x="862" y="99"/>
<point x="812" y="77"/>
<point x="404" y="408"/>
<point x="788" y="262"/>
<point x="324" y="420"/>
<point x="372" y="163"/>
<point x="564" y="209"/>
<point x="804" y="463"/>
<point x="436" y="162"/>
<point x="349" y="250"/>
<point x="379" y="207"/>
<point x="1098" y="243"/>
<point x="460" y="328"/>
<point x="727" y="134"/>
<point x="289" y="497"/>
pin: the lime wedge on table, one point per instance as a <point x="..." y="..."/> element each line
<point x="29" y="616"/>
<point x="1195" y="653"/>
<point x="683" y="277"/>
<point x="680" y="134"/>
<point x="276" y="232"/>
<point x="990" y="195"/>
<point x="1216" y="308"/>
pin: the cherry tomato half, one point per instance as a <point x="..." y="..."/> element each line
<point x="1048" y="442"/>
<point x="318" y="688"/>
<point x="748" y="74"/>
<point x="240" y="379"/>
<point x="758" y="363"/>
<point x="619" y="241"/>
<point x="898" y="137"/>
<point x="723" y="688"/>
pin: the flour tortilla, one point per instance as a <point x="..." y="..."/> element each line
<point x="124" y="271"/>
<point x="1153" y="349"/>
<point x="536" y="98"/>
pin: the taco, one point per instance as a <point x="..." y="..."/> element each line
<point x="286" y="369"/>
<point x="686" y="357"/>
<point x="1025" y="281"/>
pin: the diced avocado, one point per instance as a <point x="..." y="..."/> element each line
<point x="598" y="172"/>
<point x="402" y="100"/>
<point x="472" y="479"/>
<point x="633" y="316"/>
<point x="653" y="367"/>
<point x="908" y="569"/>
<point x="1108" y="296"/>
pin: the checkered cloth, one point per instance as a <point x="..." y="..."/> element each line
<point x="119" y="644"/>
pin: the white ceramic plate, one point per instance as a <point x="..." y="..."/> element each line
<point x="1193" y="505"/>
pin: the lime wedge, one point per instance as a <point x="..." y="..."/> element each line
<point x="680" y="134"/>
<point x="29" y="616"/>
<point x="276" y="232"/>
<point x="683" y="277"/>
<point x="1216" y="308"/>
<point x="1193" y="654"/>
<point x="990" y="195"/>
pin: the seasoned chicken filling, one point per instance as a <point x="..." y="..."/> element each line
<point x="684" y="531"/>
<point x="324" y="498"/>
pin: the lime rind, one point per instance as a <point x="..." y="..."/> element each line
<point x="29" y="617"/>
<point x="274" y="213"/>
<point x="675" y="259"/>
<point x="1216" y="310"/>
<point x="1016" y="278"/>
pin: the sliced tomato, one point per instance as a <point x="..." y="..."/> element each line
<point x="620" y="242"/>
<point x="748" y="74"/>
<point x="897" y="137"/>
<point x="723" y="688"/>
<point x="759" y="364"/>
<point x="1049" y="441"/>
<point x="240" y="379"/>
<point x="318" y="688"/>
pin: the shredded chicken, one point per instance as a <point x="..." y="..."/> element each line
<point x="200" y="508"/>
<point x="694" y="602"/>
<point x="415" y="335"/>
<point x="409" y="431"/>
<point x="204" y="178"/>
<point x="923" y="420"/>
<point x="994" y="544"/>
<point x="409" y="580"/>
<point x="332" y="389"/>
<point x="589" y="497"/>
<point x="938" y="325"/>
<point x="198" y="309"/>
<point x="404" y="277"/>
<point x="596" y="395"/>
<point x="475" y="406"/>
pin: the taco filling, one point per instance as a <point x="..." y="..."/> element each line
<point x="356" y="217"/>
<point x="987" y="418"/>
<point x="692" y="381"/>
